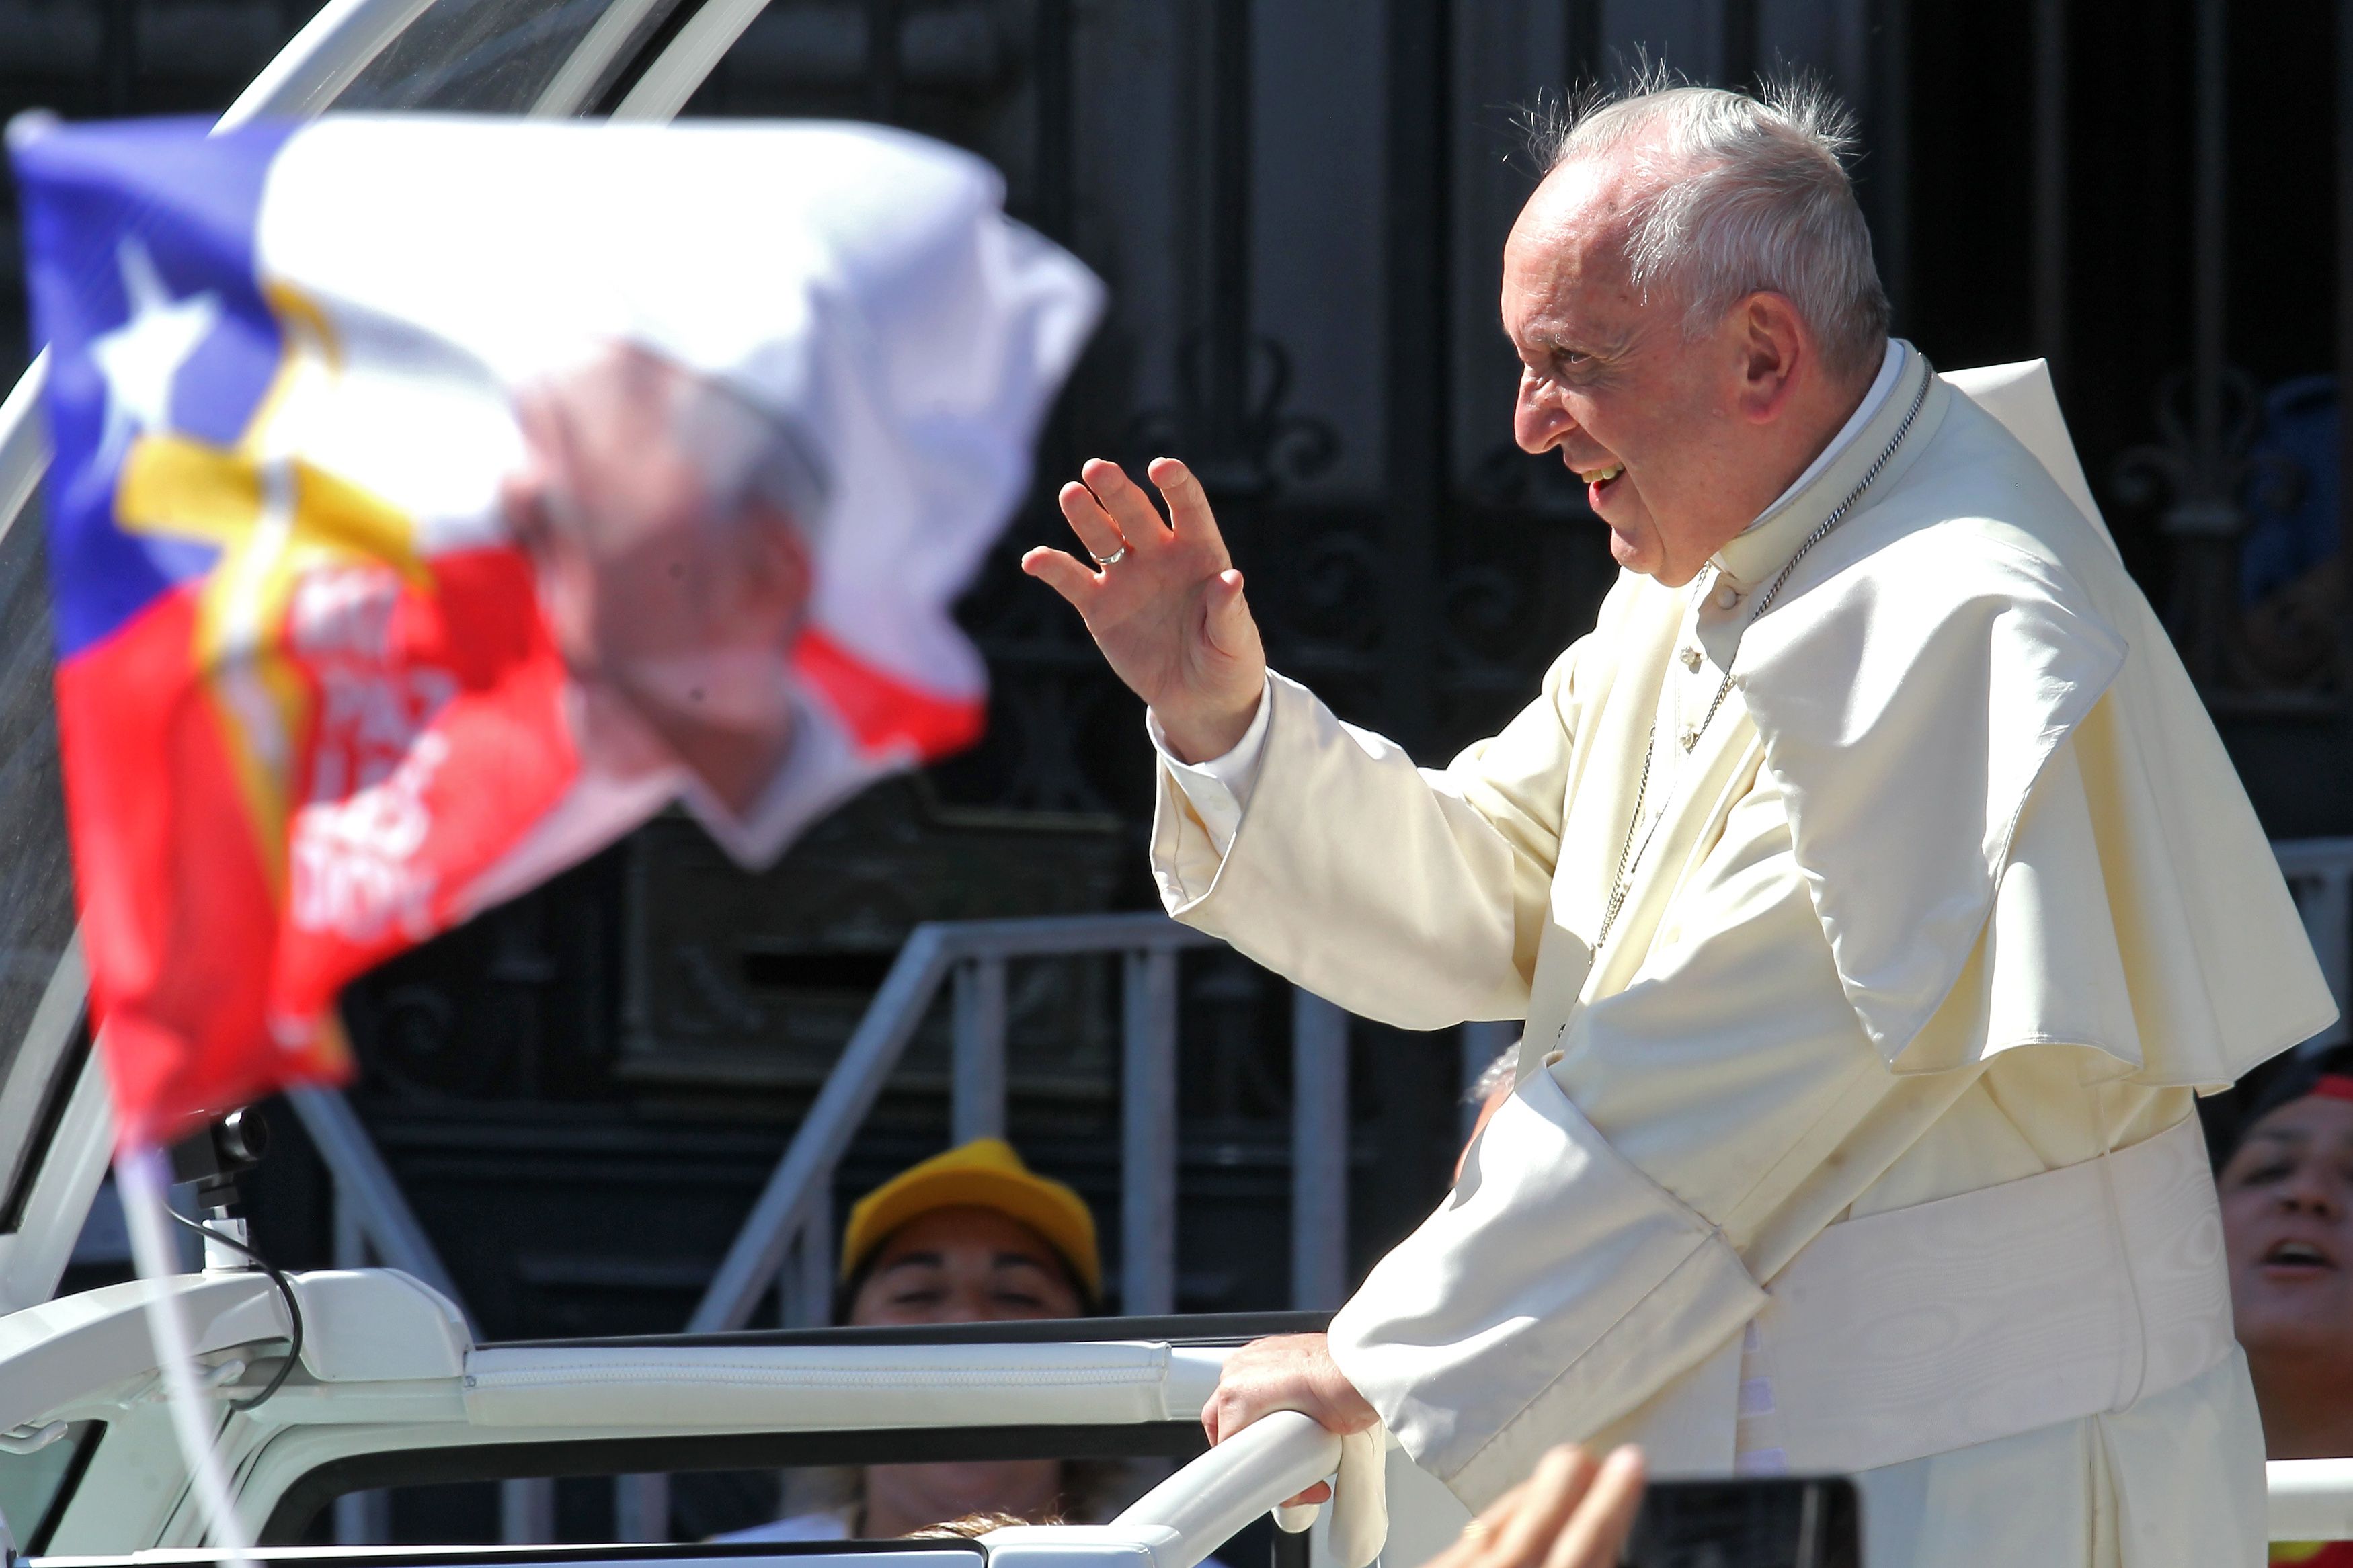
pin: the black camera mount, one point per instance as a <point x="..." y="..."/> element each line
<point x="213" y="1159"/>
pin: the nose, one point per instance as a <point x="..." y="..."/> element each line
<point x="1541" y="420"/>
<point x="2310" y="1190"/>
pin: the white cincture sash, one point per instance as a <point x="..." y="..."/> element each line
<point x="1995" y="1313"/>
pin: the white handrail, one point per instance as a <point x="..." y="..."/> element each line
<point x="1276" y="1458"/>
<point x="326" y="57"/>
<point x="2311" y="1500"/>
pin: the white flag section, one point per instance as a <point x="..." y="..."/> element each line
<point x="836" y="320"/>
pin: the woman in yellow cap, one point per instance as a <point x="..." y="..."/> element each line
<point x="972" y="1236"/>
<point x="968" y="1236"/>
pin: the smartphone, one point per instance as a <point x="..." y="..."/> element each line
<point x="1755" y="1522"/>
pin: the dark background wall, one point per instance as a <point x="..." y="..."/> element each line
<point x="1299" y="206"/>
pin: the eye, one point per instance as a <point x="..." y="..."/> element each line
<point x="2269" y="1171"/>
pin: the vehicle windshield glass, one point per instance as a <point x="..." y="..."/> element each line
<point x="33" y="1485"/>
<point x="794" y="1488"/>
<point x="37" y="901"/>
<point x="508" y="56"/>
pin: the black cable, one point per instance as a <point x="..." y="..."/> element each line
<point x="285" y="1289"/>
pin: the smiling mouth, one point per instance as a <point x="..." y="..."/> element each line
<point x="1598" y="480"/>
<point x="2297" y="1255"/>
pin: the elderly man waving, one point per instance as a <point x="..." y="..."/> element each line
<point x="1874" y="887"/>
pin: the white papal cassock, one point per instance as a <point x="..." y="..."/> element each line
<point x="1864" y="1141"/>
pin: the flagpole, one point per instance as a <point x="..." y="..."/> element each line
<point x="140" y="1179"/>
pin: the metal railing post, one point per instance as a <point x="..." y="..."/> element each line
<point x="1148" y="1134"/>
<point x="2319" y="874"/>
<point x="363" y="1518"/>
<point x="527" y="1510"/>
<point x="351" y="1250"/>
<point x="2329" y="923"/>
<point x="792" y="1287"/>
<point x="1319" y="1153"/>
<point x="364" y="1188"/>
<point x="977" y="1106"/>
<point x="758" y="1252"/>
<point x="816" y="1256"/>
<point x="641" y="1507"/>
<point x="805" y="1286"/>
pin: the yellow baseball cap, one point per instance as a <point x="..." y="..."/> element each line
<point x="983" y="1173"/>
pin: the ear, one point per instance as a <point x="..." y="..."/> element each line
<point x="1775" y="352"/>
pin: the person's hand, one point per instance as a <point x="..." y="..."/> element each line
<point x="1571" y="1513"/>
<point x="1286" y="1372"/>
<point x="1169" y="613"/>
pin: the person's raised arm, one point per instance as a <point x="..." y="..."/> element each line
<point x="1571" y="1513"/>
<point x="1162" y="602"/>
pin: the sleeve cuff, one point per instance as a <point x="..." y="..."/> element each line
<point x="1219" y="789"/>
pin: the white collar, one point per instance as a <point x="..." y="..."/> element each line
<point x="820" y="767"/>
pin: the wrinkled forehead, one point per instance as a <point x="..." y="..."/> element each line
<point x="1566" y="258"/>
<point x="610" y="390"/>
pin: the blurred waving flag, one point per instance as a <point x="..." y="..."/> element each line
<point x="436" y="498"/>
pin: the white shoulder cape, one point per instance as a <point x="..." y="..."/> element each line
<point x="1983" y="883"/>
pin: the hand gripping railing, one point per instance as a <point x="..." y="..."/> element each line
<point x="1277" y="1457"/>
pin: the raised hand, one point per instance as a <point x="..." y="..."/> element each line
<point x="1572" y="1513"/>
<point x="1169" y="614"/>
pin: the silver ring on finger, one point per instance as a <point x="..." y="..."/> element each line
<point x="1113" y="559"/>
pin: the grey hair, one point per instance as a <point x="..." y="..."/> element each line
<point x="744" y="452"/>
<point x="1497" y="1074"/>
<point x="1737" y="194"/>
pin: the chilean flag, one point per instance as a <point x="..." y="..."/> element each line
<point x="433" y="499"/>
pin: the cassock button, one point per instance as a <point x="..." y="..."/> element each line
<point x="1691" y="658"/>
<point x="1691" y="736"/>
<point x="1728" y="595"/>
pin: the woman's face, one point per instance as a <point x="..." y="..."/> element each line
<point x="2287" y="1225"/>
<point x="964" y="1264"/>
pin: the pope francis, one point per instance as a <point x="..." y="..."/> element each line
<point x="1876" y="890"/>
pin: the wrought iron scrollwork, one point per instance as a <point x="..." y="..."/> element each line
<point x="1485" y="604"/>
<point x="1244" y="443"/>
<point x="2288" y="651"/>
<point x="2203" y="473"/>
<point x="2283" y="649"/>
